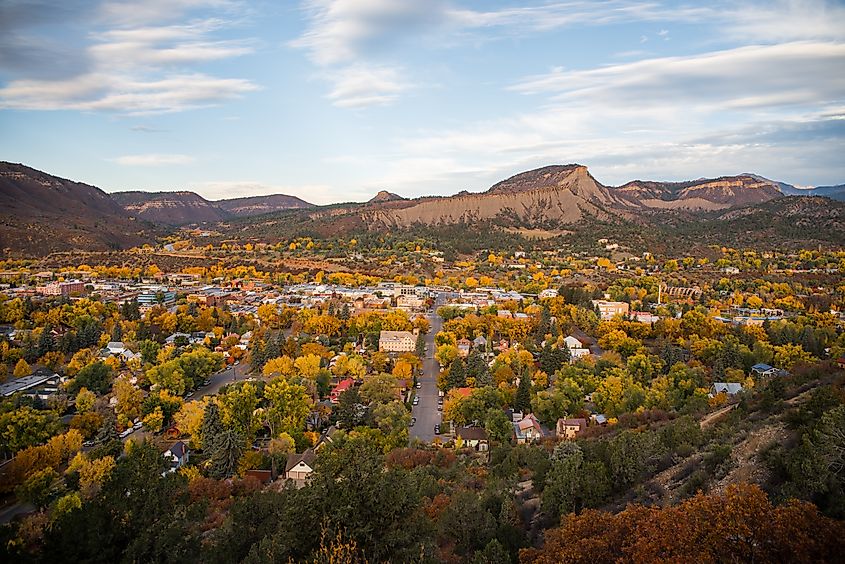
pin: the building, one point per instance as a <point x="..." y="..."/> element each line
<point x="727" y="388"/>
<point x="300" y="466"/>
<point x="397" y="341"/>
<point x="149" y="299"/>
<point x="548" y="293"/>
<point x="643" y="317"/>
<point x="341" y="387"/>
<point x="763" y="370"/>
<point x="528" y="429"/>
<point x="176" y="456"/>
<point x="577" y="348"/>
<point x="42" y="383"/>
<point x="70" y="288"/>
<point x="409" y="302"/>
<point x="464" y="345"/>
<point x="570" y="428"/>
<point x="608" y="310"/>
<point x="474" y="437"/>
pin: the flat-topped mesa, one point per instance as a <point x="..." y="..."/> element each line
<point x="553" y="176"/>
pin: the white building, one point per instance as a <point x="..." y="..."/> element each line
<point x="397" y="341"/>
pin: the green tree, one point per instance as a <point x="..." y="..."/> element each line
<point x="523" y="394"/>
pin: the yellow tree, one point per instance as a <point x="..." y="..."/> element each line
<point x="22" y="369"/>
<point x="308" y="365"/>
<point x="281" y="366"/>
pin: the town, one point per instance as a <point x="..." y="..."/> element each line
<point x="252" y="379"/>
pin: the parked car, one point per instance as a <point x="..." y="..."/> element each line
<point x="88" y="444"/>
<point x="437" y="429"/>
<point x="138" y="425"/>
<point x="127" y="432"/>
<point x="419" y="385"/>
<point x="416" y="400"/>
<point x="413" y="420"/>
<point x="439" y="407"/>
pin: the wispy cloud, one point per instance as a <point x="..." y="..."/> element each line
<point x="140" y="63"/>
<point x="364" y="85"/>
<point x="154" y="159"/>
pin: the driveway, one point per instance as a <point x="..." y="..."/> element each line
<point x="426" y="411"/>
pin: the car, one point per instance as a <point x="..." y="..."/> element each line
<point x="138" y="425"/>
<point x="439" y="407"/>
<point x="416" y="400"/>
<point x="419" y="385"/>
<point x="189" y="394"/>
<point x="88" y="444"/>
<point x="206" y="383"/>
<point x="126" y="433"/>
<point x="437" y="429"/>
<point x="413" y="421"/>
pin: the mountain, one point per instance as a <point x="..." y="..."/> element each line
<point x="836" y="192"/>
<point x="385" y="196"/>
<point x="257" y="205"/>
<point x="40" y="213"/>
<point x="182" y="208"/>
<point x="170" y="208"/>
<point x="702" y="194"/>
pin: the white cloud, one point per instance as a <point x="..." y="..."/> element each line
<point x="364" y="85"/>
<point x="139" y="65"/>
<point x="154" y="159"/>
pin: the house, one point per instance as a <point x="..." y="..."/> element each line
<point x="763" y="370"/>
<point x="528" y="429"/>
<point x="599" y="419"/>
<point x="474" y="437"/>
<point x="577" y="348"/>
<point x="570" y="428"/>
<point x="463" y="347"/>
<point x="608" y="310"/>
<point x="548" y="293"/>
<point x="300" y="466"/>
<point x="643" y="317"/>
<point x="181" y="337"/>
<point x="480" y="342"/>
<point x="341" y="387"/>
<point x="177" y="456"/>
<point x="397" y="341"/>
<point x="42" y="383"/>
<point x="727" y="388"/>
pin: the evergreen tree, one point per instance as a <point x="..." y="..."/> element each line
<point x="344" y="312"/>
<point x="348" y="408"/>
<point x="212" y="426"/>
<point x="523" y="394"/>
<point x="457" y="374"/>
<point x="553" y="358"/>
<point x="108" y="431"/>
<point x="420" y="345"/>
<point x="45" y="341"/>
<point x="117" y="333"/>
<point x="226" y="452"/>
<point x="478" y="369"/>
<point x="257" y="356"/>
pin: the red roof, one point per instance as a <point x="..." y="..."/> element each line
<point x="343" y="385"/>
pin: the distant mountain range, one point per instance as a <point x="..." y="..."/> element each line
<point x="182" y="208"/>
<point x="42" y="213"/>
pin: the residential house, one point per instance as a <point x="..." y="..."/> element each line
<point x="177" y="337"/>
<point x="480" y="343"/>
<point x="763" y="370"/>
<point x="177" y="456"/>
<point x="608" y="310"/>
<point x="42" y="383"/>
<point x="341" y="387"/>
<point x="727" y="388"/>
<point x="397" y="341"/>
<point x="463" y="347"/>
<point x="570" y="428"/>
<point x="474" y="437"/>
<point x="548" y="293"/>
<point x="300" y="466"/>
<point x="577" y="348"/>
<point x="528" y="429"/>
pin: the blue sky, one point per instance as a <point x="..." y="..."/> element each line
<point x="333" y="100"/>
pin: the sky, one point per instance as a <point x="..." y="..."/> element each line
<point x="334" y="100"/>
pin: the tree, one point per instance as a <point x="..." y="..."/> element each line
<point x="523" y="394"/>
<point x="212" y="426"/>
<point x="189" y="420"/>
<point x="237" y="407"/>
<point x="380" y="388"/>
<point x="25" y="427"/>
<point x="95" y="377"/>
<point x="553" y="358"/>
<point x="85" y="400"/>
<point x="498" y="426"/>
<point x="22" y="369"/>
<point x="392" y="419"/>
<point x="227" y="451"/>
<point x="308" y="365"/>
<point x="289" y="405"/>
<point x="457" y="377"/>
<point x="129" y="398"/>
<point x="349" y="408"/>
<point x="41" y="488"/>
<point x="279" y="366"/>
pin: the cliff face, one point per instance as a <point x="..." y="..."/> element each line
<point x="171" y="208"/>
<point x="705" y="194"/>
<point x="257" y="205"/>
<point x="558" y="194"/>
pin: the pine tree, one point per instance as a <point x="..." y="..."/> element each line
<point x="212" y="426"/>
<point x="457" y="374"/>
<point x="108" y="431"/>
<point x="420" y="345"/>
<point x="523" y="394"/>
<point x="227" y="451"/>
<point x="45" y="341"/>
<point x="478" y="369"/>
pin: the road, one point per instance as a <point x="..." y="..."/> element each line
<point x="426" y="411"/>
<point x="217" y="381"/>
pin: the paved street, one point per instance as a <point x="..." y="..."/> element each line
<point x="426" y="412"/>
<point x="227" y="376"/>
